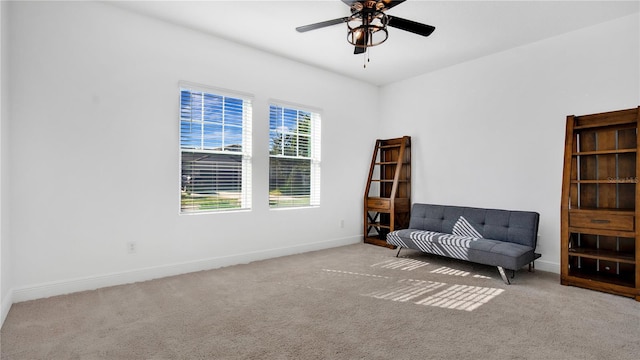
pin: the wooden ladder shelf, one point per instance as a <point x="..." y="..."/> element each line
<point x="387" y="197"/>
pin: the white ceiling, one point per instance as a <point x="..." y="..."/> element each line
<point x="465" y="30"/>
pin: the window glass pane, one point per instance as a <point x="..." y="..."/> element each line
<point x="233" y="112"/>
<point x="196" y="103"/>
<point x="275" y="143"/>
<point x="289" y="144"/>
<point x="185" y="105"/>
<point x="232" y="138"/>
<point x="275" y="117"/>
<point x="290" y="121"/>
<point x="304" y="146"/>
<point x="212" y="139"/>
<point x="190" y="133"/>
<point x="304" y="123"/>
<point x="212" y="108"/>
<point x="211" y="181"/>
<point x="289" y="182"/>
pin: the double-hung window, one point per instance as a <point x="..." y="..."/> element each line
<point x="215" y="150"/>
<point x="294" y="157"/>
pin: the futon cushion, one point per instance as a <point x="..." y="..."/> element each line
<point x="484" y="251"/>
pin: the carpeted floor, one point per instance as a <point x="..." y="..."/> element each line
<point x="353" y="302"/>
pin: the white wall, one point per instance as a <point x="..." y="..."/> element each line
<point x="490" y="132"/>
<point x="94" y="150"/>
<point x="5" y="248"/>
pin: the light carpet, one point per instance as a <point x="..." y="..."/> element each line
<point x="351" y="302"/>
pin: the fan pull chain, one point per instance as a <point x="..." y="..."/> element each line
<point x="366" y="58"/>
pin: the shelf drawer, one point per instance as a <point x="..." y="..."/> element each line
<point x="378" y="204"/>
<point x="599" y="220"/>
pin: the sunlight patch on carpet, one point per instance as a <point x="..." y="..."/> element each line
<point x="482" y="276"/>
<point x="461" y="297"/>
<point x="449" y="271"/>
<point x="455" y="272"/>
<point x="456" y="297"/>
<point x="407" y="290"/>
<point x="342" y="272"/>
<point x="401" y="264"/>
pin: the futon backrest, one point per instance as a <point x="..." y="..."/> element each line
<point x="520" y="227"/>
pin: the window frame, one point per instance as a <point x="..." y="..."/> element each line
<point x="245" y="154"/>
<point x="314" y="147"/>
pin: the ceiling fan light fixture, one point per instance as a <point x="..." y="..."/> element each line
<point x="367" y="24"/>
<point x="367" y="29"/>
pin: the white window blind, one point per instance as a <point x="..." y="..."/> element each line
<point x="215" y="149"/>
<point x="294" y="157"/>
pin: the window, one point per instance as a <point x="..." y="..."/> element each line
<point x="294" y="157"/>
<point x="215" y="151"/>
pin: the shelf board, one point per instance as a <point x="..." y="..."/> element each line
<point x="606" y="181"/>
<point x="387" y="180"/>
<point x="627" y="211"/>
<point x="378" y="225"/>
<point x="386" y="198"/>
<point x="604" y="152"/>
<point x="595" y="276"/>
<point x="629" y="122"/>
<point x="605" y="232"/>
<point x="599" y="254"/>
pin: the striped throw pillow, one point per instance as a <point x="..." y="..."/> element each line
<point x="462" y="227"/>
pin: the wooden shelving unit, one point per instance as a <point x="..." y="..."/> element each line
<point x="600" y="217"/>
<point x="387" y="198"/>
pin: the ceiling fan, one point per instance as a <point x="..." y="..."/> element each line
<point x="367" y="25"/>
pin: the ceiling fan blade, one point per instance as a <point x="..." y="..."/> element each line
<point x="322" y="24"/>
<point x="411" y="26"/>
<point x="350" y="2"/>
<point x="388" y="4"/>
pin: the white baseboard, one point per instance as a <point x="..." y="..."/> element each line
<point x="547" y="266"/>
<point x="5" y="306"/>
<point x="68" y="286"/>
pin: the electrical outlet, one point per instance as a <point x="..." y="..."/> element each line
<point x="132" y="247"/>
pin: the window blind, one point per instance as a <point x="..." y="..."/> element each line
<point x="215" y="148"/>
<point x="294" y="157"/>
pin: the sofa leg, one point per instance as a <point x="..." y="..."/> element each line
<point x="398" y="253"/>
<point x="503" y="275"/>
